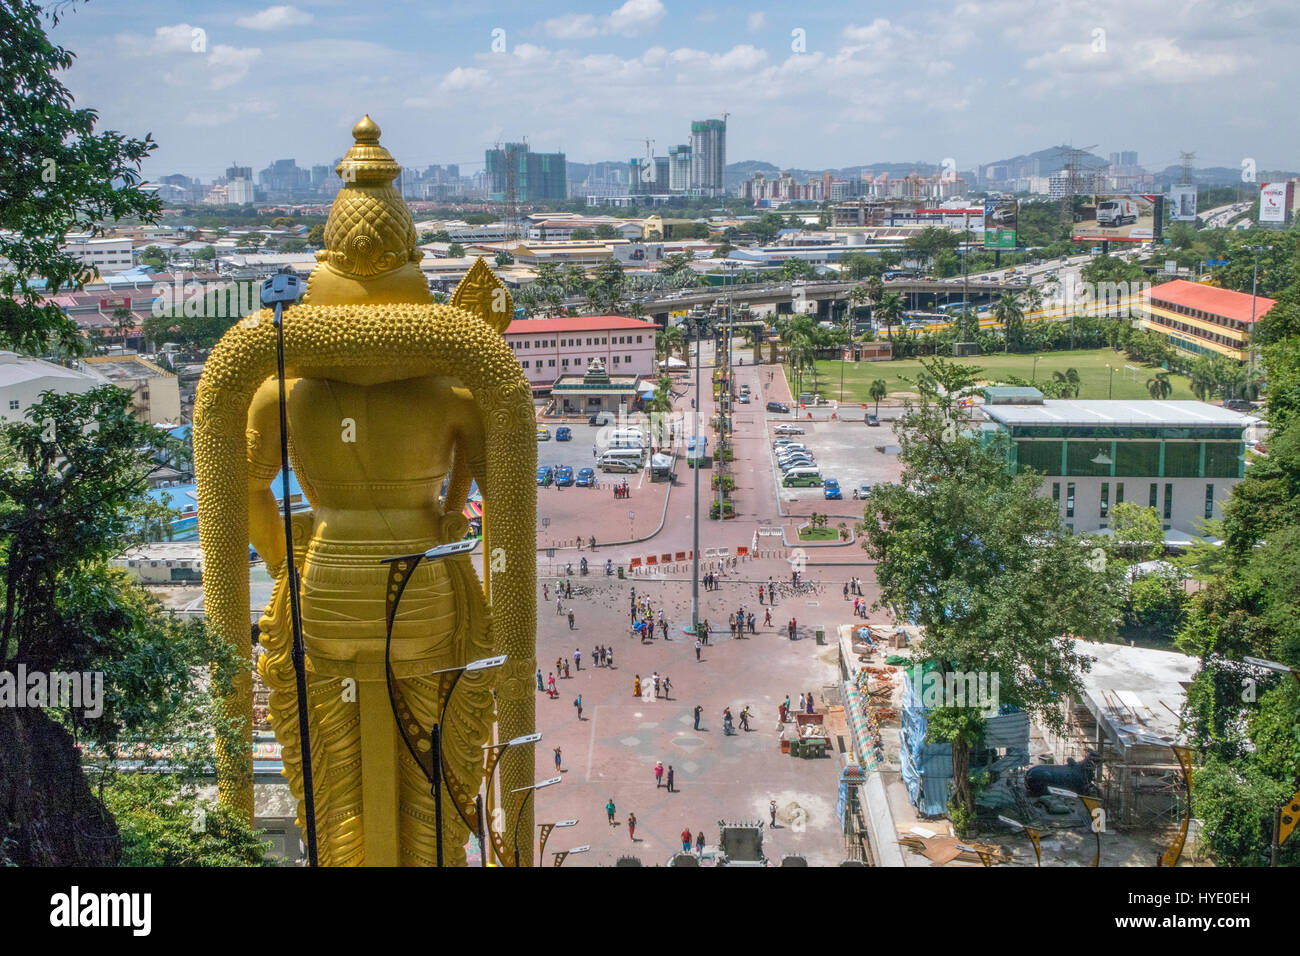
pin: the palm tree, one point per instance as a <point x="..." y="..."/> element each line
<point x="1070" y="379"/>
<point x="673" y="341"/>
<point x="1007" y="311"/>
<point x="878" y="391"/>
<point x="891" y="309"/>
<point x="1160" y="386"/>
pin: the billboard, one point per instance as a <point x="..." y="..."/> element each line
<point x="1122" y="218"/>
<point x="1182" y="203"/>
<point x="1000" y="223"/>
<point x="1272" y="202"/>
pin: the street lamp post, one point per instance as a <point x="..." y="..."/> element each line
<point x="697" y="325"/>
<point x="523" y="802"/>
<point x="546" y="832"/>
<point x="494" y="753"/>
<point x="1096" y="822"/>
<point x="1254" y="287"/>
<point x="560" y="855"/>
<point x="400" y="570"/>
<point x="435" y="735"/>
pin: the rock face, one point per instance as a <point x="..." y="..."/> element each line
<point x="48" y="815"/>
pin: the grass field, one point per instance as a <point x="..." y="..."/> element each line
<point x="1129" y="380"/>
<point x="818" y="534"/>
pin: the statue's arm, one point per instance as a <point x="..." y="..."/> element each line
<point x="471" y="440"/>
<point x="265" y="525"/>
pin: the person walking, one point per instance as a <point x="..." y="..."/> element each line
<point x="708" y="629"/>
<point x="767" y="618"/>
<point x="636" y="687"/>
<point x="550" y="686"/>
<point x="609" y="812"/>
<point x="752" y="628"/>
<point x="631" y="826"/>
<point x="671" y="789"/>
<point x="808" y="702"/>
<point x="659" y="775"/>
<point x="800" y="710"/>
<point x="698" y="645"/>
<point x="771" y="808"/>
<point x="699" y="845"/>
<point x="686" y="840"/>
<point x="667" y="686"/>
<point x="571" y="625"/>
<point x="578" y="704"/>
<point x="654" y="681"/>
<point x="698" y="710"/>
<point x="540" y="685"/>
<point x="559" y="604"/>
<point x="609" y="657"/>
<point x="595" y="656"/>
<point x="663" y="626"/>
<point x="546" y="592"/>
<point x="577" y="656"/>
<point x="744" y="718"/>
<point x="557" y="759"/>
<point x="566" y="669"/>
<point x="760" y="594"/>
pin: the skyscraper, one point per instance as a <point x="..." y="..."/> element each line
<point x="534" y="175"/>
<point x="709" y="156"/>
<point x="679" y="168"/>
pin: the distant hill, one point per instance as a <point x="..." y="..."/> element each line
<point x="1219" y="176"/>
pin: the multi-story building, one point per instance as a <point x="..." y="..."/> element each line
<point x="1203" y="319"/>
<point x="549" y="348"/>
<point x="649" y="175"/>
<point x="234" y="171"/>
<point x="240" y="192"/>
<point x="679" y="168"/>
<point x="112" y="254"/>
<point x="534" y="175"/>
<point x="1180" y="457"/>
<point x="709" y="156"/>
<point x="155" y="392"/>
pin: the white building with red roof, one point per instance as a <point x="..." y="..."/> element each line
<point x="549" y="348"/>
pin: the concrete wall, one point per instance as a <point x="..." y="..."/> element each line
<point x="1188" y="499"/>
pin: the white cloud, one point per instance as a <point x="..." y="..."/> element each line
<point x="173" y="39"/>
<point x="230" y="64"/>
<point x="465" y="78"/>
<point x="631" y="19"/>
<point x="275" y="18"/>
<point x="756" y="21"/>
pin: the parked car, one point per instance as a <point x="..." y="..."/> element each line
<point x="543" y="433"/>
<point x="563" y="433"/>
<point x="831" y="489"/>
<point x="803" y="461"/>
<point x="873" y="419"/>
<point x="789" y="430"/>
<point x="545" y="475"/>
<point x="601" y="418"/>
<point x="862" y="490"/>
<point x="802" y="478"/>
<point x="778" y="407"/>
<point x="564" y="476"/>
<point x="586" y="477"/>
<point x="744" y="398"/>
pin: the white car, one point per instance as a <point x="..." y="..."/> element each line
<point x="788" y="430"/>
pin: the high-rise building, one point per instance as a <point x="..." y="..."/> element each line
<point x="679" y="168"/>
<point x="239" y="172"/>
<point x="1125" y="158"/>
<point x="534" y="175"/>
<point x="239" y="192"/>
<point x="709" y="156"/>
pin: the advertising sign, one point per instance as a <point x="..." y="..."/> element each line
<point x="1123" y="218"/>
<point x="1182" y="203"/>
<point x="1272" y="202"/>
<point x="1000" y="223"/>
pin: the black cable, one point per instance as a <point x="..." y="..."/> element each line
<point x="295" y="610"/>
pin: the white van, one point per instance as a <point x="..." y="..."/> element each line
<point x="622" y="459"/>
<point x="627" y="438"/>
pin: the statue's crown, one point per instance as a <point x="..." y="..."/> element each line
<point x="369" y="235"/>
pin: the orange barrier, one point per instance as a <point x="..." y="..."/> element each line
<point x="634" y="563"/>
<point x="665" y="558"/>
<point x="681" y="556"/>
<point x="651" y="560"/>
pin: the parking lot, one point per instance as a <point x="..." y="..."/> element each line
<point x="849" y="451"/>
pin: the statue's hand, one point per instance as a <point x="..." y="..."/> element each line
<point x="454" y="527"/>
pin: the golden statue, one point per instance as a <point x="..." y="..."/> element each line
<point x="389" y="396"/>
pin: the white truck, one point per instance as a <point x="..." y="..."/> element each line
<point x="1114" y="213"/>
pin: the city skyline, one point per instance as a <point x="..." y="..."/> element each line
<point x="831" y="88"/>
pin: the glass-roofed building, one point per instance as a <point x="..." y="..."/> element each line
<point x="1180" y="457"/>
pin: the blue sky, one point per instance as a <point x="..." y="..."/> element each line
<point x="808" y="85"/>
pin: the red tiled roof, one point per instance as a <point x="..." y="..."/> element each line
<point x="581" y="323"/>
<point x="1208" y="298"/>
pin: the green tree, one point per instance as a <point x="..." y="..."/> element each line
<point x="504" y="258"/>
<point x="1138" y="531"/>
<point x="293" y="245"/>
<point x="1007" y="311"/>
<point x="1069" y="379"/>
<point x="154" y="257"/>
<point x="891" y="310"/>
<point x="1160" y="387"/>
<point x="58" y="176"/>
<point x="455" y="251"/>
<point x="878" y="392"/>
<point x="606" y="231"/>
<point x="316" y="237"/>
<point x="981" y="561"/>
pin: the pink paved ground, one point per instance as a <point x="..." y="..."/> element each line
<point x="612" y="751"/>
